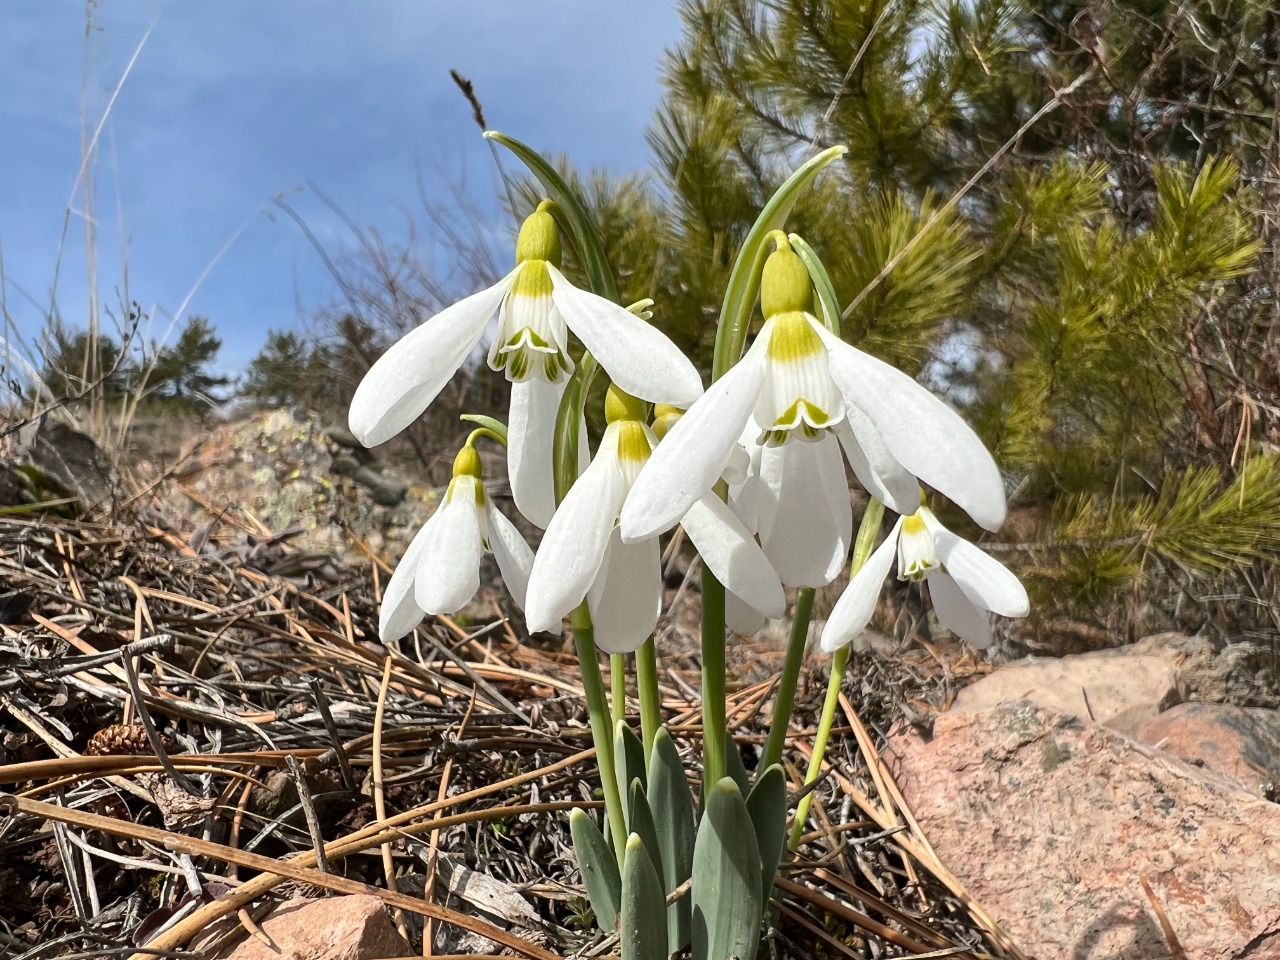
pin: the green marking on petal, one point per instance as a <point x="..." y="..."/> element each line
<point x="633" y="442"/>
<point x="534" y="279"/>
<point x="792" y="338"/>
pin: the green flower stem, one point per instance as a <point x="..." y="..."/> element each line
<point x="601" y="724"/>
<point x="838" y="664"/>
<point x="786" y="697"/>
<point x="713" y="702"/>
<point x="867" y="533"/>
<point x="650" y="698"/>
<point x="618" y="680"/>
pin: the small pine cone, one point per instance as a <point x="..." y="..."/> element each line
<point x="119" y="739"/>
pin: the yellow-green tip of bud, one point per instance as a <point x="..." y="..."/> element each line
<point x="620" y="405"/>
<point x="785" y="286"/>
<point x="539" y="237"/>
<point x="467" y="463"/>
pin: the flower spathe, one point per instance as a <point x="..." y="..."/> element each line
<point x="963" y="583"/>
<point x="583" y="556"/>
<point x="537" y="307"/>
<point x="440" y="572"/>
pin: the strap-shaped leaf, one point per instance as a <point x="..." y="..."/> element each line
<point x="726" y="879"/>
<point x="671" y="802"/>
<point x="642" y="824"/>
<point x="644" y="909"/>
<point x="628" y="759"/>
<point x="599" y="868"/>
<point x="744" y="282"/>
<point x="767" y="804"/>
<point x="733" y="764"/>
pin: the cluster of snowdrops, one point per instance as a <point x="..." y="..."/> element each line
<point x="753" y="468"/>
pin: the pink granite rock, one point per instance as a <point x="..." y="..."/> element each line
<point x="1241" y="742"/>
<point x="1120" y="691"/>
<point x="1052" y="823"/>
<point x="335" y="928"/>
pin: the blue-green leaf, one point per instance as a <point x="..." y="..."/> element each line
<point x="643" y="935"/>
<point x="642" y="824"/>
<point x="733" y="764"/>
<point x="599" y="868"/>
<point x="628" y="761"/>
<point x="767" y="804"/>
<point x="726" y="879"/>
<point x="671" y="802"/>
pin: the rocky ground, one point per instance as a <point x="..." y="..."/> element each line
<point x="1115" y="804"/>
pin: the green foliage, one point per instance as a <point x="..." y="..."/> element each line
<point x="76" y="362"/>
<point x="281" y="374"/>
<point x="182" y="375"/>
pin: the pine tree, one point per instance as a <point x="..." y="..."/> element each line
<point x="182" y="374"/>
<point x="1089" y="287"/>
<point x="282" y="374"/>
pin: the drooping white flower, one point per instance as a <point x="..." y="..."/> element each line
<point x="583" y="556"/>
<point x="963" y="582"/>
<point x="537" y="307"/>
<point x="800" y="382"/>
<point x="440" y="572"/>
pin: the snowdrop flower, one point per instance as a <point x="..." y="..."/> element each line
<point x="583" y="555"/>
<point x="800" y="382"/>
<point x="440" y="572"/>
<point x="963" y="583"/>
<point x="537" y="307"/>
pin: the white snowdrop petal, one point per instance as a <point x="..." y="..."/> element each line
<point x="573" y="547"/>
<point x="957" y="612"/>
<point x="806" y="519"/>
<point x="449" y="571"/>
<point x="530" y="444"/>
<point x="514" y="556"/>
<point x="626" y="599"/>
<point x="857" y="604"/>
<point x="400" y="612"/>
<point x="690" y="458"/>
<point x="405" y="379"/>
<point x="732" y="554"/>
<point x="983" y="579"/>
<point x="638" y="357"/>
<point x="879" y="473"/>
<point x="741" y="617"/>
<point x="927" y="437"/>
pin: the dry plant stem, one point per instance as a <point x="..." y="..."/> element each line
<point x="273" y="871"/>
<point x="786" y="697"/>
<point x="650" y="697"/>
<point x="601" y="729"/>
<point x="380" y="792"/>
<point x="370" y="836"/>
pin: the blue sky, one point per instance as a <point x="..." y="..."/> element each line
<point x="234" y="102"/>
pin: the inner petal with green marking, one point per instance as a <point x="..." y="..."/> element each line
<point x="799" y="400"/>
<point x="531" y="338"/>
<point x="917" y="554"/>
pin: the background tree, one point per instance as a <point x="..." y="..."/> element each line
<point x="182" y="375"/>
<point x="1061" y="215"/>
